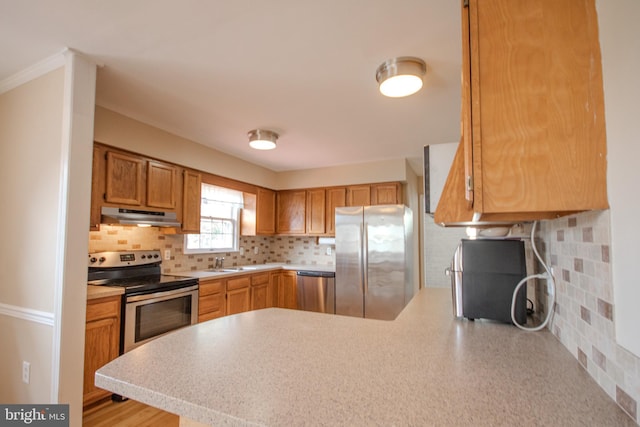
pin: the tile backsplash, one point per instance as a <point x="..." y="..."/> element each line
<point x="577" y="248"/>
<point x="255" y="250"/>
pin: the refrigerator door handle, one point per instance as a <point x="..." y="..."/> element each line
<point x="365" y="258"/>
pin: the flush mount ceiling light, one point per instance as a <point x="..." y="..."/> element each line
<point x="401" y="76"/>
<point x="262" y="139"/>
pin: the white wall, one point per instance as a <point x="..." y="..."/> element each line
<point x="45" y="155"/>
<point x="30" y="133"/>
<point x="620" y="44"/>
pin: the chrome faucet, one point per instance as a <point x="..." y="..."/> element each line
<point x="219" y="263"/>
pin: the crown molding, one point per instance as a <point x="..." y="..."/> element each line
<point x="34" y="71"/>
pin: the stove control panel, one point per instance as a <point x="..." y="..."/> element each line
<point x="124" y="258"/>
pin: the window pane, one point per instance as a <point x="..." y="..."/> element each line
<point x="219" y="229"/>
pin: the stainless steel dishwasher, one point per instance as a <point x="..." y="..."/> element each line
<point x="316" y="291"/>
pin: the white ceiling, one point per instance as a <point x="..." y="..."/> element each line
<point x="210" y="71"/>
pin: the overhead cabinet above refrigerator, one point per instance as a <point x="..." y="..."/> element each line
<point x="374" y="271"/>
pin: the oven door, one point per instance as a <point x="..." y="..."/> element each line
<point x="148" y="316"/>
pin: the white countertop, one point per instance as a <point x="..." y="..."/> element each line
<point x="252" y="268"/>
<point x="289" y="367"/>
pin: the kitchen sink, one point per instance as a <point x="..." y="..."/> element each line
<point x="231" y="269"/>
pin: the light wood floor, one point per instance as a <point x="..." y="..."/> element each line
<point x="127" y="414"/>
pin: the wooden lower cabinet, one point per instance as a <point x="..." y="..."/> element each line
<point x="102" y="340"/>
<point x="283" y="284"/>
<point x="211" y="299"/>
<point x="238" y="294"/>
<point x="260" y="291"/>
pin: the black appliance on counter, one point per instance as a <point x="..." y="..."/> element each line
<point x="484" y="274"/>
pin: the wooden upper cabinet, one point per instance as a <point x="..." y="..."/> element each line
<point x="123" y="183"/>
<point x="359" y="195"/>
<point x="291" y="206"/>
<point x="533" y="140"/>
<point x="265" y="211"/>
<point x="191" y="201"/>
<point x="386" y="194"/>
<point x="161" y="185"/>
<point x="335" y="197"/>
<point x="315" y="211"/>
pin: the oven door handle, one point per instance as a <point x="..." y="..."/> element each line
<point x="161" y="294"/>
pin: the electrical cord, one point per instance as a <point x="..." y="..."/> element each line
<point x="551" y="288"/>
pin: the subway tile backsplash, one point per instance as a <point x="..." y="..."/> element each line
<point x="255" y="250"/>
<point x="578" y="250"/>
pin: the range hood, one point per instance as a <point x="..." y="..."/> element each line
<point x="138" y="217"/>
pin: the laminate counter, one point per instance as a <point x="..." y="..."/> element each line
<point x="289" y="367"/>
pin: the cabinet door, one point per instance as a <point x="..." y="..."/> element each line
<point x="102" y="339"/>
<point x="123" y="179"/>
<point x="537" y="107"/>
<point x="386" y="194"/>
<point x="533" y="134"/>
<point x="161" y="185"/>
<point x="335" y="197"/>
<point x="359" y="195"/>
<point x="287" y="297"/>
<point x="191" y="200"/>
<point x="275" y="280"/>
<point x="315" y="211"/>
<point x="238" y="300"/>
<point x="259" y="296"/>
<point x="291" y="212"/>
<point x="265" y="211"/>
<point x="211" y="306"/>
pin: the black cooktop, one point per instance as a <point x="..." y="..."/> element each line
<point x="147" y="284"/>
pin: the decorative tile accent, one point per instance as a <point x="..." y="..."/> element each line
<point x="585" y="314"/>
<point x="627" y="403"/>
<point x="578" y="248"/>
<point x="605" y="309"/>
<point x="605" y="253"/>
<point x="582" y="358"/>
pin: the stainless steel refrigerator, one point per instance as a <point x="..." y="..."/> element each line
<point x="374" y="260"/>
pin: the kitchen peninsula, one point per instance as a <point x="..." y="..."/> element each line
<point x="288" y="367"/>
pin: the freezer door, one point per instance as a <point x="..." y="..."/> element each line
<point x="349" y="261"/>
<point x="385" y="261"/>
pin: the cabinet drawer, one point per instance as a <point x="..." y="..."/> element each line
<point x="238" y="282"/>
<point x="259" y="279"/>
<point x="211" y="287"/>
<point x="211" y="303"/>
<point x="103" y="308"/>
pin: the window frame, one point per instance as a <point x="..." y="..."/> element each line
<point x="235" y="221"/>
